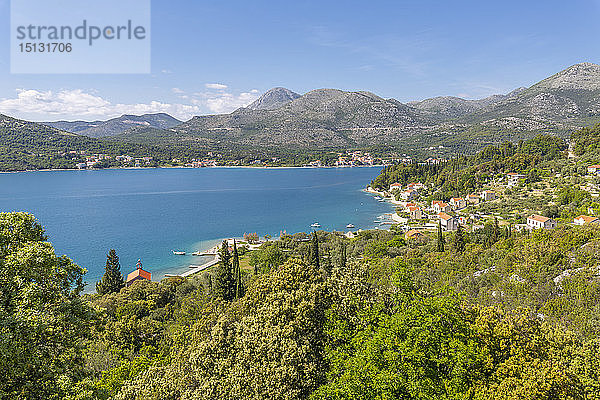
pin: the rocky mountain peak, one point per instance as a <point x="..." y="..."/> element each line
<point x="579" y="76"/>
<point x="273" y="99"/>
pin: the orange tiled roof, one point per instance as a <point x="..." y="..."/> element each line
<point x="539" y="218"/>
<point x="444" y="216"/>
<point x="413" y="233"/>
<point x="141" y="273"/>
<point x="587" y="219"/>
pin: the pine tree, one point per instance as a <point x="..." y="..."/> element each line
<point x="440" y="240"/>
<point x="224" y="282"/>
<point x="314" y="251"/>
<point x="112" y="280"/>
<point x="237" y="272"/>
<point x="342" y="255"/>
<point x="459" y="240"/>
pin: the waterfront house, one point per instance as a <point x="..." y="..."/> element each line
<point x="138" y="275"/>
<point x="594" y="169"/>
<point x="540" y="222"/>
<point x="488" y="195"/>
<point x="350" y="235"/>
<point x="458" y="202"/>
<point x="449" y="223"/>
<point x="415" y="212"/>
<point x="584" y="219"/>
<point x="395" y="186"/>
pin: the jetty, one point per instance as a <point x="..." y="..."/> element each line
<point x="198" y="268"/>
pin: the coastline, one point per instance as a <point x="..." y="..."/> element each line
<point x="190" y="168"/>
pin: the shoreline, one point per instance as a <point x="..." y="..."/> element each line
<point x="190" y="168"/>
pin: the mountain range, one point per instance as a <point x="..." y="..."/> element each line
<point x="116" y="126"/>
<point x="327" y="119"/>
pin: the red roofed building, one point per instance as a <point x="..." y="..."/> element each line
<point x="449" y="222"/>
<point x="138" y="275"/>
<point x="584" y="219"/>
<point x="538" y="221"/>
<point x="594" y="169"/>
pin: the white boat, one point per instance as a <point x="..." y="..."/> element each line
<point x="316" y="225"/>
<point x="350" y="226"/>
<point x="377" y="197"/>
<point x="179" y="253"/>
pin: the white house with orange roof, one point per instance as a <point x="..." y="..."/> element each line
<point x="449" y="223"/>
<point x="594" y="169"/>
<point x="440" y="206"/>
<point x="409" y="194"/>
<point x="458" y="202"/>
<point x="415" y="212"/>
<point x="585" y="219"/>
<point x="395" y="186"/>
<point x="472" y="199"/>
<point x="540" y="222"/>
<point x="513" y="178"/>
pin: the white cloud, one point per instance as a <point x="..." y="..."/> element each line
<point x="227" y="102"/>
<point x="77" y="104"/>
<point x="218" y="86"/>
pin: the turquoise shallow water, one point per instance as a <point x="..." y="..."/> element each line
<point x="147" y="213"/>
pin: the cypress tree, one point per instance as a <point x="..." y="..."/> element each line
<point x="459" y="240"/>
<point x="342" y="254"/>
<point x="314" y="251"/>
<point x="112" y="280"/>
<point x="237" y="272"/>
<point x="224" y="282"/>
<point x="440" y="240"/>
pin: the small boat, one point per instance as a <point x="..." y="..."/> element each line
<point x="350" y="226"/>
<point x="377" y="197"/>
<point x="179" y="253"/>
<point x="381" y="200"/>
<point x="316" y="225"/>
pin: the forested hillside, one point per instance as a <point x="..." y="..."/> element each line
<point x="495" y="315"/>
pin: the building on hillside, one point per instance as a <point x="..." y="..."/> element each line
<point x="415" y="212"/>
<point x="472" y="199"/>
<point x="513" y="178"/>
<point x="413" y="234"/>
<point x="138" y="275"/>
<point x="488" y="195"/>
<point x="440" y="206"/>
<point x="594" y="169"/>
<point x="449" y="223"/>
<point x="415" y="185"/>
<point x="540" y="222"/>
<point x="350" y="235"/>
<point x="410" y="194"/>
<point x="584" y="219"/>
<point x="458" y="202"/>
<point x="395" y="186"/>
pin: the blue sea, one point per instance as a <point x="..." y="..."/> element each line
<point x="147" y="213"/>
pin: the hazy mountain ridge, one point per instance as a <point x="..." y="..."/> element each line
<point x="116" y="126"/>
<point x="333" y="119"/>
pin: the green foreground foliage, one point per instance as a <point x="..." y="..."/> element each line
<point x="375" y="317"/>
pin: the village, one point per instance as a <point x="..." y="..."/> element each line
<point x="506" y="200"/>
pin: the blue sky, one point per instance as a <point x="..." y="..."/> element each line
<point x="214" y="56"/>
